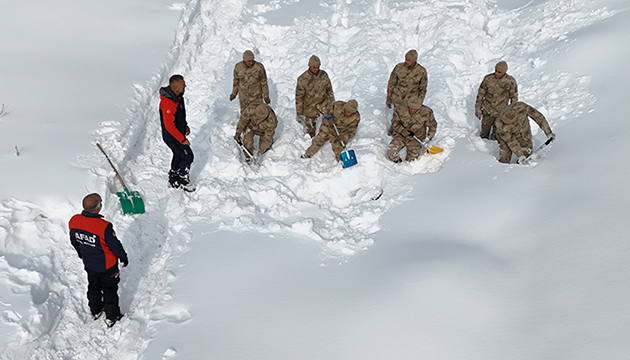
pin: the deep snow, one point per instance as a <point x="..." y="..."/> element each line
<point x="462" y="257"/>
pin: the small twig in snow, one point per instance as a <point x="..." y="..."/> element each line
<point x="17" y="152"/>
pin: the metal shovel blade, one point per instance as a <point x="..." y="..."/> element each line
<point x="131" y="202"/>
<point x="348" y="158"/>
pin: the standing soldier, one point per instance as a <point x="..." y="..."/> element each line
<point x="496" y="91"/>
<point x="257" y="119"/>
<point x="174" y="132"/>
<point x="514" y="133"/>
<point x="250" y="81"/>
<point x="345" y="117"/>
<point x="96" y="244"/>
<point x="407" y="79"/>
<point x="412" y="122"/>
<point x="313" y="94"/>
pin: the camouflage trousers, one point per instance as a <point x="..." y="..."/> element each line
<point x="390" y="129"/>
<point x="505" y="152"/>
<point x="327" y="133"/>
<point x="414" y="148"/>
<point x="248" y="142"/>
<point x="487" y="126"/>
<point x="311" y="126"/>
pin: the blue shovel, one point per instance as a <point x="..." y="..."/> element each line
<point x="348" y="158"/>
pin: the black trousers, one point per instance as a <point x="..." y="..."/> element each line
<point x="182" y="157"/>
<point x="102" y="292"/>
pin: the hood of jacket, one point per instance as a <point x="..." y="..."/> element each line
<point x="169" y="94"/>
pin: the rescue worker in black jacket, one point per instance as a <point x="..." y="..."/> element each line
<point x="174" y="132"/>
<point x="97" y="245"/>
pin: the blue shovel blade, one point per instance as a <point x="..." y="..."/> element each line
<point x="348" y="158"/>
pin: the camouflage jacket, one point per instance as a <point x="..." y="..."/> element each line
<point x="495" y="94"/>
<point x="265" y="128"/>
<point x="405" y="82"/>
<point x="422" y="123"/>
<point x="346" y="125"/>
<point x="250" y="82"/>
<point x="313" y="93"/>
<point x="518" y="132"/>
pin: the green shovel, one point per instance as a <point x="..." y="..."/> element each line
<point x="130" y="201"/>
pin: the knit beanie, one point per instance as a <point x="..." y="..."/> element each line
<point x="314" y="61"/>
<point x="351" y="106"/>
<point x="248" y="55"/>
<point x="501" y="67"/>
<point x="508" y="115"/>
<point x="411" y="55"/>
<point x="414" y="102"/>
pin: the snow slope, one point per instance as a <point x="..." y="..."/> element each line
<point x="470" y="279"/>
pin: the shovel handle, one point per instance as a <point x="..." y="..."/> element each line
<point x="342" y="144"/>
<point x="244" y="149"/>
<point x="112" y="165"/>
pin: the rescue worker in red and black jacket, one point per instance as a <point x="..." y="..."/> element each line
<point x="97" y="245"/>
<point x="174" y="132"/>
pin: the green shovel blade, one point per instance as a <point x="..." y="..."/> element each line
<point x="131" y="202"/>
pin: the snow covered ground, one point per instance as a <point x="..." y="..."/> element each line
<point x="461" y="257"/>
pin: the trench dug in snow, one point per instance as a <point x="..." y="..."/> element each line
<point x="359" y="42"/>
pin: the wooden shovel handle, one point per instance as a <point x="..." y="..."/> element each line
<point x="112" y="165"/>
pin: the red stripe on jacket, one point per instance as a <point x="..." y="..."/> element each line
<point x="97" y="227"/>
<point x="169" y="107"/>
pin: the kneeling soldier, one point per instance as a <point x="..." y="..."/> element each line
<point x="514" y="133"/>
<point x="257" y="119"/>
<point x="412" y="122"/>
<point x="345" y="117"/>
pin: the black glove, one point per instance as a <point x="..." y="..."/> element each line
<point x="125" y="262"/>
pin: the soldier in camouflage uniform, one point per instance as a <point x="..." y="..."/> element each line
<point x="345" y="117"/>
<point x="496" y="91"/>
<point x="514" y="133"/>
<point x="313" y="94"/>
<point x="250" y="81"/>
<point x="257" y="119"/>
<point x="411" y="120"/>
<point x="406" y="80"/>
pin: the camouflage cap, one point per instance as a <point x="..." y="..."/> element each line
<point x="314" y="61"/>
<point x="414" y="102"/>
<point x="248" y="55"/>
<point x="351" y="106"/>
<point x="508" y="115"/>
<point x="501" y="67"/>
<point x="411" y="55"/>
<point x="262" y="111"/>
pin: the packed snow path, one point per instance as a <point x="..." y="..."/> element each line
<point x="359" y="42"/>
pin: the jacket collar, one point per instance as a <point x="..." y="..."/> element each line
<point x="91" y="215"/>
<point x="169" y="94"/>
